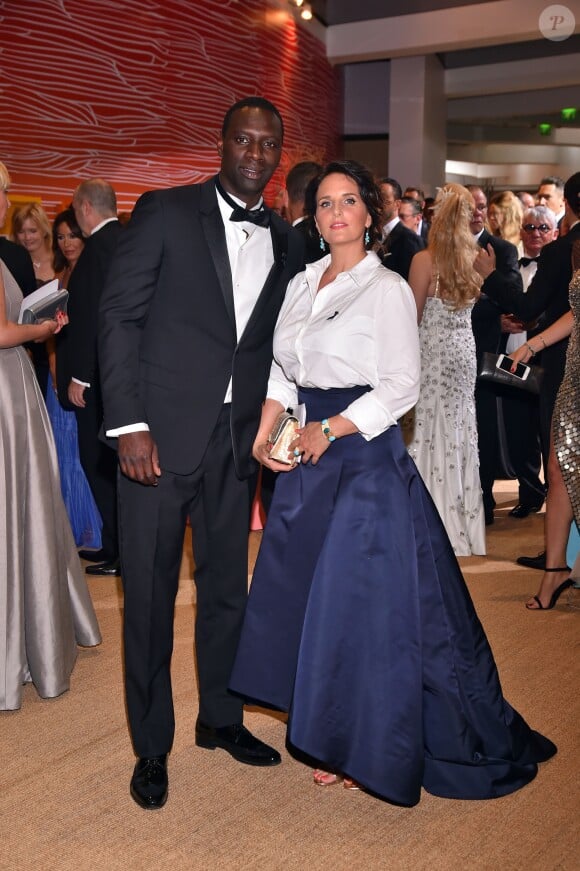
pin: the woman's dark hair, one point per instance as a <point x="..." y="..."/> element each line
<point x="65" y="217"/>
<point x="368" y="188"/>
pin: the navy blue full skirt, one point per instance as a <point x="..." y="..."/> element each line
<point x="360" y="625"/>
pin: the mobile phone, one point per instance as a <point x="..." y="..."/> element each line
<point x="504" y="362"/>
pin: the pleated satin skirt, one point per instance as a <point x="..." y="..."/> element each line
<point x="360" y="625"/>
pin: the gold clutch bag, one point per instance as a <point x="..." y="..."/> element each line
<point x="283" y="432"/>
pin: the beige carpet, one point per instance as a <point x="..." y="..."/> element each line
<point x="64" y="800"/>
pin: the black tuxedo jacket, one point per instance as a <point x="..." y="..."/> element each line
<point x="485" y="317"/>
<point x="19" y="262"/>
<point x="399" y="248"/>
<point x="76" y="355"/>
<point x="167" y="327"/>
<point x="547" y="293"/>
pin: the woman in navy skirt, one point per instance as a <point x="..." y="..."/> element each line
<point x="359" y="622"/>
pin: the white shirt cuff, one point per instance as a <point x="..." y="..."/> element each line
<point x="78" y="381"/>
<point x="123" y="430"/>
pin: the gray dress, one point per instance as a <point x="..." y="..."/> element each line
<point x="45" y="606"/>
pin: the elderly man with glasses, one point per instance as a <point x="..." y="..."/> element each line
<point x="521" y="410"/>
<point x="547" y="294"/>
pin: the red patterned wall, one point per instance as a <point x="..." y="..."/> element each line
<point x="135" y="91"/>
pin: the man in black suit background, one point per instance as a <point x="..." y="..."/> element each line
<point x="486" y="322"/>
<point x="187" y="320"/>
<point x="547" y="295"/>
<point x="419" y="196"/>
<point x="95" y="207"/>
<point x="297" y="180"/>
<point x="399" y="243"/>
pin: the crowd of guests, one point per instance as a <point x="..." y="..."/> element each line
<point x="174" y="320"/>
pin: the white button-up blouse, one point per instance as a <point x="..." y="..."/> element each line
<point x="360" y="329"/>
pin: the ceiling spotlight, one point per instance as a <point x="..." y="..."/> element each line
<point x="306" y="12"/>
<point x="298" y="3"/>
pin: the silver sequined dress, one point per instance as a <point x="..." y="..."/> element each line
<point x="566" y="420"/>
<point x="441" y="431"/>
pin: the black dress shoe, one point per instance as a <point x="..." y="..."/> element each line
<point x="521" y="511"/>
<point x="238" y="742"/>
<point x="94" y="556"/>
<point x="110" y="567"/>
<point x="149" y="784"/>
<point x="533" y="562"/>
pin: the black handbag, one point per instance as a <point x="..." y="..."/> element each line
<point x="488" y="371"/>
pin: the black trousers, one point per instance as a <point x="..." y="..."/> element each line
<point x="152" y="526"/>
<point x="522" y="428"/>
<point x="99" y="463"/>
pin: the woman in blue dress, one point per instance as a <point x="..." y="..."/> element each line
<point x="67" y="246"/>
<point x="359" y="622"/>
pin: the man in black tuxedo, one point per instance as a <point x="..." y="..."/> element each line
<point x="187" y="320"/>
<point x="95" y="207"/>
<point x="547" y="295"/>
<point x="486" y="322"/>
<point x="520" y="410"/>
<point x="399" y="243"/>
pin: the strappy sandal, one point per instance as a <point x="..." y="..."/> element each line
<point x="326" y="778"/>
<point x="557" y="592"/>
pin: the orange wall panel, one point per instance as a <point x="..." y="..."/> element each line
<point x="135" y="91"/>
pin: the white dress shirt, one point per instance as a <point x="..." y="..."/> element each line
<point x="360" y="329"/>
<point x="516" y="340"/>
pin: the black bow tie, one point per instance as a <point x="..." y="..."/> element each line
<point x="525" y="261"/>
<point x="260" y="216"/>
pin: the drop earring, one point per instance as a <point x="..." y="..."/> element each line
<point x="367" y="236"/>
<point x="322" y="244"/>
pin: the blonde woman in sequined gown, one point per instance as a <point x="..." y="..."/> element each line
<point x="563" y="500"/>
<point x="441" y="431"/>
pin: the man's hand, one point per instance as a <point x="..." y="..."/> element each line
<point x="484" y="263"/>
<point x="511" y="324"/>
<point x="138" y="458"/>
<point x="76" y="394"/>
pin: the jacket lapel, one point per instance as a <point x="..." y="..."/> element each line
<point x="213" y="228"/>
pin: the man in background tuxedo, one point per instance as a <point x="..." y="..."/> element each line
<point x="547" y="295"/>
<point x="297" y="180"/>
<point x="399" y="243"/>
<point x="95" y="207"/>
<point x="486" y="322"/>
<point x="551" y="194"/>
<point x="187" y="320"/>
<point x="520" y="410"/>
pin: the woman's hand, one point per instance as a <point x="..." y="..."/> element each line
<point x="520" y="355"/>
<point x="52" y="327"/>
<point x="311" y="442"/>
<point x="261" y="453"/>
